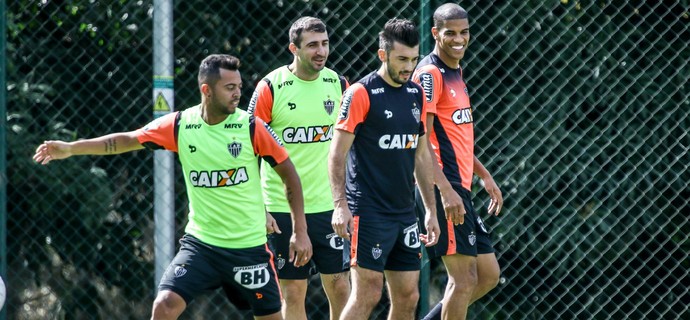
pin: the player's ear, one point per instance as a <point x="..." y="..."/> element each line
<point x="434" y="33"/>
<point x="382" y="55"/>
<point x="205" y="89"/>
<point x="293" y="48"/>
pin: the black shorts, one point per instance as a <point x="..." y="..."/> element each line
<point x="386" y="242"/>
<point x="327" y="247"/>
<point x="247" y="276"/>
<point x="470" y="238"/>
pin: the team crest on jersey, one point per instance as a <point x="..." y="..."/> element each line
<point x="235" y="148"/>
<point x="180" y="271"/>
<point x="329" y="105"/>
<point x="427" y="82"/>
<point x="376" y="252"/>
<point x="416" y="113"/>
<point x="472" y="238"/>
<point x="280" y="262"/>
<point x="345" y="104"/>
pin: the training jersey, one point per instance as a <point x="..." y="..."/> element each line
<point x="302" y="113"/>
<point x="221" y="172"/>
<point x="387" y="123"/>
<point x="453" y="136"/>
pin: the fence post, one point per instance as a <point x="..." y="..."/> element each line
<point x="3" y="149"/>
<point x="163" y="103"/>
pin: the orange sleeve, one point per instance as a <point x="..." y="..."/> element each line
<point x="261" y="105"/>
<point x="266" y="143"/>
<point x="160" y="133"/>
<point x="431" y="80"/>
<point x="422" y="118"/>
<point x="353" y="108"/>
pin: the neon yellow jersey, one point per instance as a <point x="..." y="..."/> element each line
<point x="220" y="166"/>
<point x="303" y="114"/>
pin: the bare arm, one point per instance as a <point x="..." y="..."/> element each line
<point x="490" y="186"/>
<point x="300" y="245"/>
<point x="114" y="143"/>
<point x="342" y="217"/>
<point x="452" y="203"/>
<point x="424" y="174"/>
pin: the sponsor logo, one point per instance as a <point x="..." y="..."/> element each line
<point x="416" y="113"/>
<point x="462" y="116"/>
<point x="336" y="242"/>
<point x="193" y="126"/>
<point x="398" y="141"/>
<point x="252" y="277"/>
<point x="329" y="80"/>
<point x="292" y="105"/>
<point x="218" y="178"/>
<point x="180" y="271"/>
<point x="308" y="134"/>
<point x="252" y="103"/>
<point x="427" y="82"/>
<point x="376" y="252"/>
<point x="377" y="91"/>
<point x="329" y="105"/>
<point x="412" y="90"/>
<point x="232" y="126"/>
<point x="345" y="104"/>
<point x="285" y="83"/>
<point x="452" y="92"/>
<point x="412" y="236"/>
<point x="234" y="148"/>
<point x="389" y="114"/>
<point x="192" y="149"/>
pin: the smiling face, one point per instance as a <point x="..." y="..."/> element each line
<point x="312" y="53"/>
<point x="452" y="40"/>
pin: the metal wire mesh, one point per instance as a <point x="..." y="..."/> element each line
<point x="582" y="115"/>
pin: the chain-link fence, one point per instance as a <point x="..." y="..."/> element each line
<point x="582" y="115"/>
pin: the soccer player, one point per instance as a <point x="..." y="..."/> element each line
<point x="299" y="102"/>
<point x="464" y="244"/>
<point x="225" y="239"/>
<point x="380" y="131"/>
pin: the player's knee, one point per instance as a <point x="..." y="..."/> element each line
<point x="294" y="291"/>
<point x="167" y="305"/>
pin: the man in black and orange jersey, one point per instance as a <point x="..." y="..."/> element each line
<point x="225" y="239"/>
<point x="378" y="150"/>
<point x="465" y="244"/>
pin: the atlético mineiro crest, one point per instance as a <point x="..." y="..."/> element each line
<point x="281" y="263"/>
<point x="416" y="112"/>
<point x="235" y="148"/>
<point x="472" y="238"/>
<point x="329" y="105"/>
<point x="180" y="271"/>
<point x="376" y="252"/>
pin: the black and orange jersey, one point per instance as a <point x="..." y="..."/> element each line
<point x="387" y="122"/>
<point x="453" y="131"/>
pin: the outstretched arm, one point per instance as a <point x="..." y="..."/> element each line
<point x="300" y="245"/>
<point x="490" y="186"/>
<point x="114" y="143"/>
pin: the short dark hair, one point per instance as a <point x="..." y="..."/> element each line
<point x="302" y="24"/>
<point x="448" y="11"/>
<point x="401" y="30"/>
<point x="209" y="69"/>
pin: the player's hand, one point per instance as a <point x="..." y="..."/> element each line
<point x="271" y="224"/>
<point x="300" y="249"/>
<point x="51" y="150"/>
<point x="496" y="203"/>
<point x="342" y="221"/>
<point x="453" y="206"/>
<point x="432" y="229"/>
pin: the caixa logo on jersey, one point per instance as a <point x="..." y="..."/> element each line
<point x="234" y="148"/>
<point x="462" y="116"/>
<point x="252" y="277"/>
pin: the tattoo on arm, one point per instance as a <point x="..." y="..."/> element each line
<point x="110" y="146"/>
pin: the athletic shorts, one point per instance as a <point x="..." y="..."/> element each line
<point x="327" y="247"/>
<point x="247" y="276"/>
<point x="470" y="238"/>
<point x="386" y="242"/>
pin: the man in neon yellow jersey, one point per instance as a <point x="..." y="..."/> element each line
<point x="218" y="146"/>
<point x="299" y="101"/>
